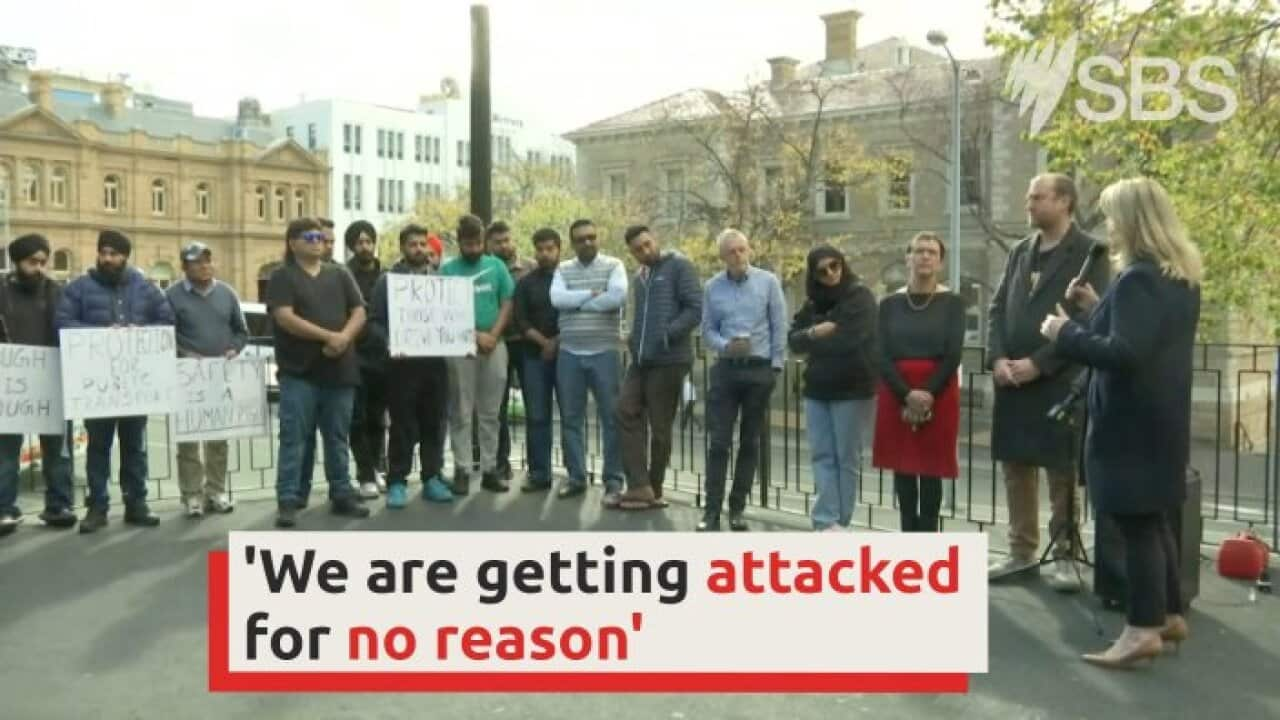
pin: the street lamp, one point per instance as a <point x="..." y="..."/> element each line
<point x="939" y="38"/>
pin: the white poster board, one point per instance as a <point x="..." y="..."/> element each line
<point x="430" y="316"/>
<point x="118" y="372"/>
<point x="30" y="391"/>
<point x="220" y="399"/>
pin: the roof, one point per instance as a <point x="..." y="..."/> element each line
<point x="161" y="121"/>
<point x="848" y="92"/>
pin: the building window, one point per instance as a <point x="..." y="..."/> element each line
<point x="417" y="148"/>
<point x="346" y="191"/>
<point x="970" y="176"/>
<point x="904" y="55"/>
<point x="435" y="154"/>
<point x="300" y="203"/>
<point x="382" y="195"/>
<point x="617" y="186"/>
<point x="58" y="187"/>
<point x="31" y="184"/>
<point x="359" y="135"/>
<point x="399" y="146"/>
<point x="674" y="180"/>
<point x="834" y="199"/>
<point x="459" y="160"/>
<point x="4" y="186"/>
<point x="111" y="193"/>
<point x="159" y="197"/>
<point x="260" y="195"/>
<point x="382" y="143"/>
<point x="773" y="187"/>
<point x="899" y="198"/>
<point x="289" y="132"/>
<point x="400" y="195"/>
<point x="281" y="204"/>
<point x="311" y="136"/>
<point x="359" y="193"/>
<point x="62" y="261"/>
<point x="346" y="137"/>
<point x="202" y="200"/>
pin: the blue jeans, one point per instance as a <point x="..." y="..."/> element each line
<point x="133" y="460"/>
<point x="538" y="386"/>
<point x="601" y="374"/>
<point x="304" y="407"/>
<point x="836" y="433"/>
<point x="55" y="465"/>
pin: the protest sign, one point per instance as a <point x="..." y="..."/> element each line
<point x="30" y="391"/>
<point x="430" y="316"/>
<point x="118" y="372"/>
<point x="551" y="612"/>
<point x="221" y="399"/>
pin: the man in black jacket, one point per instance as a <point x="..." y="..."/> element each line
<point x="368" y="428"/>
<point x="421" y="389"/>
<point x="668" y="306"/>
<point x="1030" y="378"/>
<point x="28" y="300"/>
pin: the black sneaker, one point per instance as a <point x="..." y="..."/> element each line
<point x="570" y="490"/>
<point x="461" y="484"/>
<point x="493" y="482"/>
<point x="352" y="507"/>
<point x="286" y="516"/>
<point x="737" y="523"/>
<point x="94" y="520"/>
<point x="532" y="486"/>
<point x="61" y="518"/>
<point x="506" y="473"/>
<point x="709" y="523"/>
<point x="9" y="523"/>
<point x="140" y="515"/>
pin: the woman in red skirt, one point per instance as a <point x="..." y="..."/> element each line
<point x="918" y="401"/>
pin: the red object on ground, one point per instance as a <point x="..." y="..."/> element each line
<point x="1243" y="557"/>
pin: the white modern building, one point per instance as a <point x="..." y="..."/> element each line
<point x="384" y="160"/>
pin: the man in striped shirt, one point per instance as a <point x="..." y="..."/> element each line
<point x="589" y="292"/>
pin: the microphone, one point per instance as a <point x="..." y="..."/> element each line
<point x="1096" y="251"/>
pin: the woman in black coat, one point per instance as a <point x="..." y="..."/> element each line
<point x="1139" y="344"/>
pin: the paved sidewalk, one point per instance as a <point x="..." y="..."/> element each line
<point x="112" y="626"/>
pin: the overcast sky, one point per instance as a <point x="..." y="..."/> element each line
<point x="558" y="64"/>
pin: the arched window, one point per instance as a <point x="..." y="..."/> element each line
<point x="300" y="203"/>
<point x="5" y="180"/>
<point x="159" y="197"/>
<point x="261" y="195"/>
<point x="202" y="200"/>
<point x="58" y="187"/>
<point x="62" y="261"/>
<point x="280" y="204"/>
<point x="31" y="184"/>
<point x="111" y="193"/>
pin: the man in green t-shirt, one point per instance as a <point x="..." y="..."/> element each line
<point x="477" y="382"/>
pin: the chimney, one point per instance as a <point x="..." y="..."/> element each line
<point x="113" y="96"/>
<point x="782" y="72"/>
<point x="249" y="113"/>
<point x="842" y="36"/>
<point x="40" y="90"/>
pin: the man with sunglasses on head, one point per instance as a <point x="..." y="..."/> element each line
<point x="317" y="314"/>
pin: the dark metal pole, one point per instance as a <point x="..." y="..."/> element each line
<point x="481" y="117"/>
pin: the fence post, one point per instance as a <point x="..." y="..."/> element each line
<point x="766" y="459"/>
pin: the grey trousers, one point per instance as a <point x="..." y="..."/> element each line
<point x="476" y="385"/>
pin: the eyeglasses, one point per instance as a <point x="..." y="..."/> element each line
<point x="313" y="236"/>
<point x="830" y="268"/>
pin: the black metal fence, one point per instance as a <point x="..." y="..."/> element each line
<point x="1235" y="437"/>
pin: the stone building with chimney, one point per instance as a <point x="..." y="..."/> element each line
<point x="78" y="155"/>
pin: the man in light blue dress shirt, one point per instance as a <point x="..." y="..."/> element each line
<point x="744" y="321"/>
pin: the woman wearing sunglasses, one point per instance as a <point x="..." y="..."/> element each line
<point x="836" y="328"/>
<point x="918" y="406"/>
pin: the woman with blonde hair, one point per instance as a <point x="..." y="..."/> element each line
<point x="1139" y="343"/>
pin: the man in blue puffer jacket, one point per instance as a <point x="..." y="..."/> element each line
<point x="668" y="307"/>
<point x="114" y="295"/>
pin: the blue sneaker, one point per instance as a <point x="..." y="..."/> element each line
<point x="436" y="490"/>
<point x="397" y="496"/>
